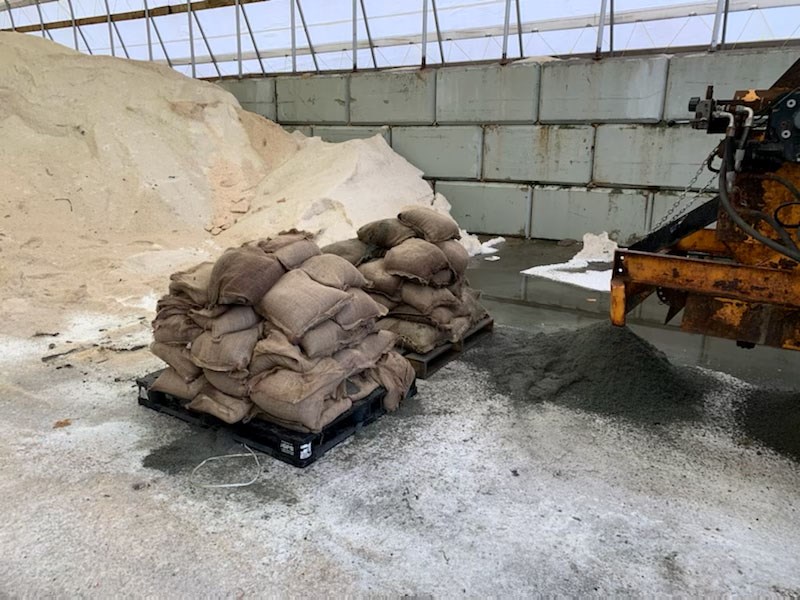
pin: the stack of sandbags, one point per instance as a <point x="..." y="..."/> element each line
<point x="415" y="267"/>
<point x="275" y="329"/>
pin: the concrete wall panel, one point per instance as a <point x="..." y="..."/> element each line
<point x="538" y="153"/>
<point x="255" y="95"/>
<point x="616" y="90"/>
<point x="317" y="99"/>
<point x="560" y="213"/>
<point x="498" y="208"/>
<point x="644" y="155"/>
<point x="331" y="133"/>
<point x="447" y="152"/>
<point x="664" y="200"/>
<point x="488" y="94"/>
<point x="726" y="71"/>
<point x="389" y="97"/>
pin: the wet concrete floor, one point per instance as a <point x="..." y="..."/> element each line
<point x="543" y="305"/>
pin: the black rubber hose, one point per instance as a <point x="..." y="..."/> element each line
<point x="725" y="202"/>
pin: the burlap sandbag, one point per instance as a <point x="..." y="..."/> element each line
<point x="297" y="303"/>
<point x="415" y="259"/>
<point x="204" y="317"/>
<point x="443" y="278"/>
<point x="386" y="233"/>
<point x="283" y="239"/>
<point x="192" y="283"/>
<point x="430" y="224"/>
<point x="332" y="408"/>
<point x="170" y="382"/>
<point x="226" y="408"/>
<point x="353" y="251"/>
<point x="358" y="310"/>
<point x="294" y="255"/>
<point x="360" y="385"/>
<point x="409" y="313"/>
<point x="442" y="315"/>
<point x="397" y="376"/>
<point x="457" y="256"/>
<point x="232" y="384"/>
<point x="379" y="280"/>
<point x="457" y="328"/>
<point x="179" y="358"/>
<point x="328" y="337"/>
<point x="231" y="352"/>
<point x="418" y="337"/>
<point x="242" y="276"/>
<point x="298" y="397"/>
<point x="472" y="307"/>
<point x="175" y="329"/>
<point x="366" y="354"/>
<point x="218" y="323"/>
<point x="334" y="271"/>
<point x="425" y="298"/>
<point x="170" y="305"/>
<point x="387" y="303"/>
<point x="275" y="351"/>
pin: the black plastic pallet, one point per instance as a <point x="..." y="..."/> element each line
<point x="427" y="364"/>
<point x="293" y="447"/>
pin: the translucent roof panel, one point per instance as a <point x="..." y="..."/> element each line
<point x="387" y="33"/>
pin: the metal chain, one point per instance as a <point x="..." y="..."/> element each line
<point x="671" y="214"/>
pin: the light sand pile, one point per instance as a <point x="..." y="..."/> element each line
<point x="116" y="173"/>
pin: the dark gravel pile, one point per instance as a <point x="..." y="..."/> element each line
<point x="773" y="418"/>
<point x="599" y="368"/>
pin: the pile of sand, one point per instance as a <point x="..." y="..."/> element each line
<point x="116" y="173"/>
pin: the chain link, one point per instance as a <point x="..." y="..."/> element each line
<point x="671" y="214"/>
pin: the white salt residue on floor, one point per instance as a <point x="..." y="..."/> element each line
<point x="475" y="247"/>
<point x="585" y="269"/>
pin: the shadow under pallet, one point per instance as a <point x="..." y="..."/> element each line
<point x="427" y="364"/>
<point x="293" y="447"/>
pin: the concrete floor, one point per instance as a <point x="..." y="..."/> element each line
<point x="462" y="492"/>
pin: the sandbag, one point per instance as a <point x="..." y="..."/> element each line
<point x="328" y="337"/>
<point x="242" y="276"/>
<point x="457" y="256"/>
<point x="334" y="271"/>
<point x="409" y="313"/>
<point x="443" y="278"/>
<point x="472" y="307"/>
<point x="170" y="382"/>
<point x="298" y="397"/>
<point x="179" y="358"/>
<point x="226" y="408"/>
<point x="386" y="233"/>
<point x="169" y="306"/>
<point x="387" y="303"/>
<point x="457" y="328"/>
<point x="415" y="259"/>
<point x="353" y="251"/>
<point x="332" y="408"/>
<point x="178" y="328"/>
<point x="227" y="383"/>
<point x="425" y="298"/>
<point x="231" y="352"/>
<point x="397" y="376"/>
<point x="360" y="385"/>
<point x="366" y="354"/>
<point x="283" y="239"/>
<point x="295" y="254"/>
<point x="192" y="283"/>
<point x="417" y="337"/>
<point x="275" y="351"/>
<point x="235" y="318"/>
<point x="205" y="316"/>
<point x="430" y="224"/>
<point x="297" y="303"/>
<point x="359" y="309"/>
<point x="379" y="280"/>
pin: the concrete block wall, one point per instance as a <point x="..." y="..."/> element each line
<point x="539" y="147"/>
